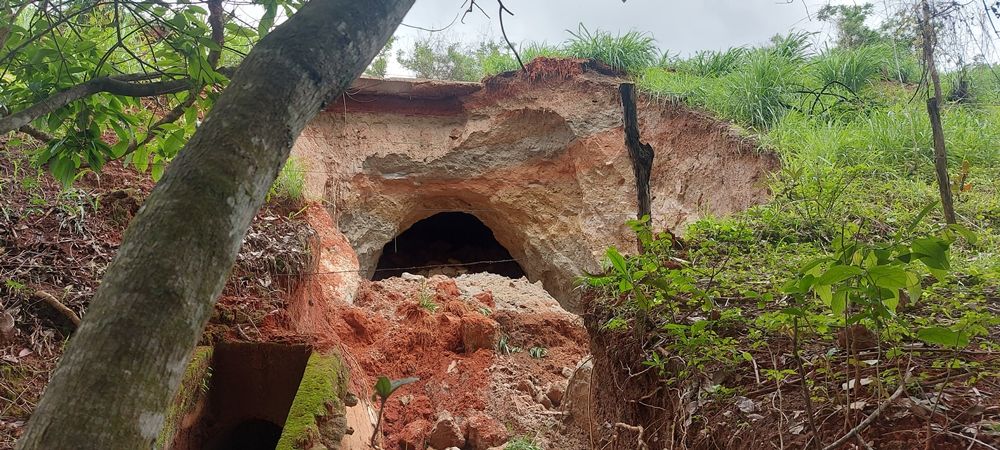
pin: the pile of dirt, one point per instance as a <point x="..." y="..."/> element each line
<point x="493" y="356"/>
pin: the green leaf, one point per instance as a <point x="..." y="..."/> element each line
<point x="825" y="293"/>
<point x="932" y="251"/>
<point x="966" y="233"/>
<point x="889" y="277"/>
<point x="156" y="169"/>
<point x="383" y="387"/>
<point x="838" y="273"/>
<point x="943" y="336"/>
<point x="267" y="20"/>
<point x="914" y="289"/>
<point x="920" y="216"/>
<point x="617" y="261"/>
<point x="838" y="303"/>
<point x="795" y="312"/>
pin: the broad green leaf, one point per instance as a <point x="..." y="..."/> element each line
<point x="943" y="336"/>
<point x="838" y="302"/>
<point x="889" y="277"/>
<point x="825" y="293"/>
<point x="932" y="251"/>
<point x="617" y="261"/>
<point x="267" y="20"/>
<point x="966" y="233"/>
<point x="914" y="289"/>
<point x="838" y="273"/>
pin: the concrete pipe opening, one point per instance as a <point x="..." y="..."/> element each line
<point x="248" y="396"/>
<point x="447" y="243"/>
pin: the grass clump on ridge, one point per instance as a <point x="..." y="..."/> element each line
<point x="630" y="53"/>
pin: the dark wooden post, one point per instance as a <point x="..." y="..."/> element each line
<point x="641" y="154"/>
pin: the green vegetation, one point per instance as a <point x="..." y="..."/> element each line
<point x="290" y="184"/>
<point x="140" y="75"/>
<point x="523" y="443"/>
<point x="853" y="235"/>
<point x="323" y="383"/>
<point x="629" y="53"/>
<point x="194" y="384"/>
<point x="384" y="388"/>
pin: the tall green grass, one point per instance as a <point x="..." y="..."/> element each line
<point x="503" y="60"/>
<point x="630" y="53"/>
<point x="854" y="69"/>
<point x="757" y="92"/>
<point x="713" y="63"/>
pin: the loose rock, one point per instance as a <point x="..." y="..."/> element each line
<point x="556" y="392"/>
<point x="484" y="432"/>
<point x="446" y="433"/>
<point x="478" y="332"/>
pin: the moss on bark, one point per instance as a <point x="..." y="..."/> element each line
<point x="192" y="388"/>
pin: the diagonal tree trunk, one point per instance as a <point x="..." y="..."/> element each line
<point x="124" y="364"/>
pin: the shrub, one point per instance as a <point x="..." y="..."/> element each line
<point x="630" y="52"/>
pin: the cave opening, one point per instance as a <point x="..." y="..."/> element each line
<point x="447" y="243"/>
<point x="245" y="402"/>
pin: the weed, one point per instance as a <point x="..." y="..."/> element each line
<point x="384" y="388"/>
<point x="757" y="93"/>
<point x="713" y="63"/>
<point x="523" y="443"/>
<point x="290" y="184"/>
<point x="426" y="300"/>
<point x="505" y="347"/>
<point x="854" y="69"/>
<point x="537" y="352"/>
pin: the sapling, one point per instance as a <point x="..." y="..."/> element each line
<point x="384" y="388"/>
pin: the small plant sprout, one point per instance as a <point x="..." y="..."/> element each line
<point x="504" y="347"/>
<point x="384" y="388"/>
<point x="537" y="352"/>
<point x="426" y="300"/>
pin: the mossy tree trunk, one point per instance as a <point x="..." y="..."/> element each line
<point x="123" y="365"/>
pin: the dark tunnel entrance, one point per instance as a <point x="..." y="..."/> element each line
<point x="448" y="243"/>
<point x="244" y="403"/>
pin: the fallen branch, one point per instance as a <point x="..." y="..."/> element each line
<point x="58" y="306"/>
<point x="871" y="418"/>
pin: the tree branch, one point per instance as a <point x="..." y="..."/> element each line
<point x="111" y="85"/>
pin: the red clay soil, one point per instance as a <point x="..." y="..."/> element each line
<point x="391" y="330"/>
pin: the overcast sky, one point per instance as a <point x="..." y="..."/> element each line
<point x="680" y="26"/>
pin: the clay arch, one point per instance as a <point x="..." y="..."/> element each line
<point x="512" y="228"/>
